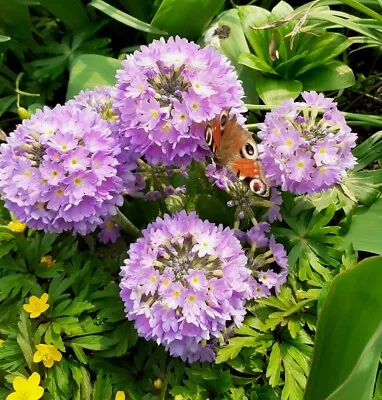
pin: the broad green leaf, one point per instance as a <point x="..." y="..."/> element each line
<point x="90" y="70"/>
<point x="250" y="18"/>
<point x="232" y="47"/>
<point x="126" y="19"/>
<point x="333" y="75"/>
<point x="349" y="336"/>
<point x="254" y="62"/>
<point x="365" y="228"/>
<point x="211" y="208"/>
<point x="15" y="21"/>
<point x="274" y="91"/>
<point x="186" y="18"/>
<point x="71" y="12"/>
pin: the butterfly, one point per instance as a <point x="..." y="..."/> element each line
<point x="233" y="146"/>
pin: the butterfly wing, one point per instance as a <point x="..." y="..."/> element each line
<point x="233" y="146"/>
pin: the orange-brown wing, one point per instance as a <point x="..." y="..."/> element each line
<point x="213" y="134"/>
<point x="244" y="168"/>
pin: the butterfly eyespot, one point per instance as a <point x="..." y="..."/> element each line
<point x="223" y="119"/>
<point x="208" y="135"/>
<point x="249" y="151"/>
<point x="259" y="187"/>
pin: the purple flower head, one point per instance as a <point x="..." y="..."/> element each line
<point x="306" y="145"/>
<point x="183" y="282"/>
<point x="100" y="100"/>
<point x="49" y="179"/>
<point x="166" y="90"/>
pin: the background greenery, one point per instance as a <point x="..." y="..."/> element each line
<point x="52" y="49"/>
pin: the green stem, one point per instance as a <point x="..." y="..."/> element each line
<point x="251" y="126"/>
<point x="259" y="107"/>
<point x="125" y="224"/>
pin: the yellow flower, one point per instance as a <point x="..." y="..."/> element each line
<point x="36" y="305"/>
<point x="120" y="395"/>
<point x="26" y="389"/>
<point x="48" y="354"/>
<point x="17" y="226"/>
<point x="158" y="383"/>
<point x="48" y="260"/>
<point x="2" y="342"/>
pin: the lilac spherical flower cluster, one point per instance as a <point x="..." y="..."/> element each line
<point x="306" y="145"/>
<point x="58" y="170"/>
<point x="184" y="281"/>
<point x="100" y="100"/>
<point x="267" y="259"/>
<point x="166" y="90"/>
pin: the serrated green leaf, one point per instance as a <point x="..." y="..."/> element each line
<point x="274" y="365"/>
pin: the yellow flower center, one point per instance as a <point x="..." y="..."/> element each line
<point x="28" y="173"/>
<point x="109" y="225"/>
<point x="195" y="106"/>
<point x="300" y="165"/>
<point x="64" y="147"/>
<point x="166" y="127"/>
<point x="166" y="282"/>
<point x="154" y="114"/>
<point x="322" y="151"/>
<point x="322" y="169"/>
<point x="191" y="298"/>
<point x="59" y="192"/>
<point x="54" y="173"/>
<point x="276" y="131"/>
<point x="74" y="161"/>
<point x="289" y="143"/>
<point x="176" y="293"/>
<point x="78" y="181"/>
<point x="195" y="279"/>
<point x="44" y="181"/>
<point x="182" y="117"/>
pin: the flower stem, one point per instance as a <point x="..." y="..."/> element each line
<point x="125" y="224"/>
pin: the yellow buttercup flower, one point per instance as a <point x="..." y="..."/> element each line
<point x="48" y="354"/>
<point x="26" y="389"/>
<point x="120" y="395"/>
<point x="2" y="342"/>
<point x="37" y="305"/>
<point x="17" y="226"/>
<point x="48" y="260"/>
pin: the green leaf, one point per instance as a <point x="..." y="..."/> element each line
<point x="90" y="70"/>
<point x="186" y="18"/>
<point x="211" y="208"/>
<point x="126" y="19"/>
<point x="71" y="12"/>
<point x="333" y="75"/>
<point x="274" y="365"/>
<point x="232" y="47"/>
<point x="4" y="38"/>
<point x="25" y="338"/>
<point x="254" y="62"/>
<point x="274" y="91"/>
<point x="365" y="228"/>
<point x="349" y="336"/>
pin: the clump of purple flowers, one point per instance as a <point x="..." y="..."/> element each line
<point x="100" y="100"/>
<point x="306" y="145"/>
<point x="59" y="170"/>
<point x="184" y="281"/>
<point x="166" y="90"/>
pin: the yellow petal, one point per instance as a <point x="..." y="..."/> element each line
<point x="35" y="314"/>
<point x="44" y="307"/>
<point x="120" y="395"/>
<point x="57" y="356"/>
<point x="13" y="396"/>
<point x="27" y="308"/>
<point x="36" y="393"/>
<point x="48" y="363"/>
<point x="34" y="300"/>
<point x="19" y="383"/>
<point x="37" y="357"/>
<point x="44" y="297"/>
<point x="34" y="379"/>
